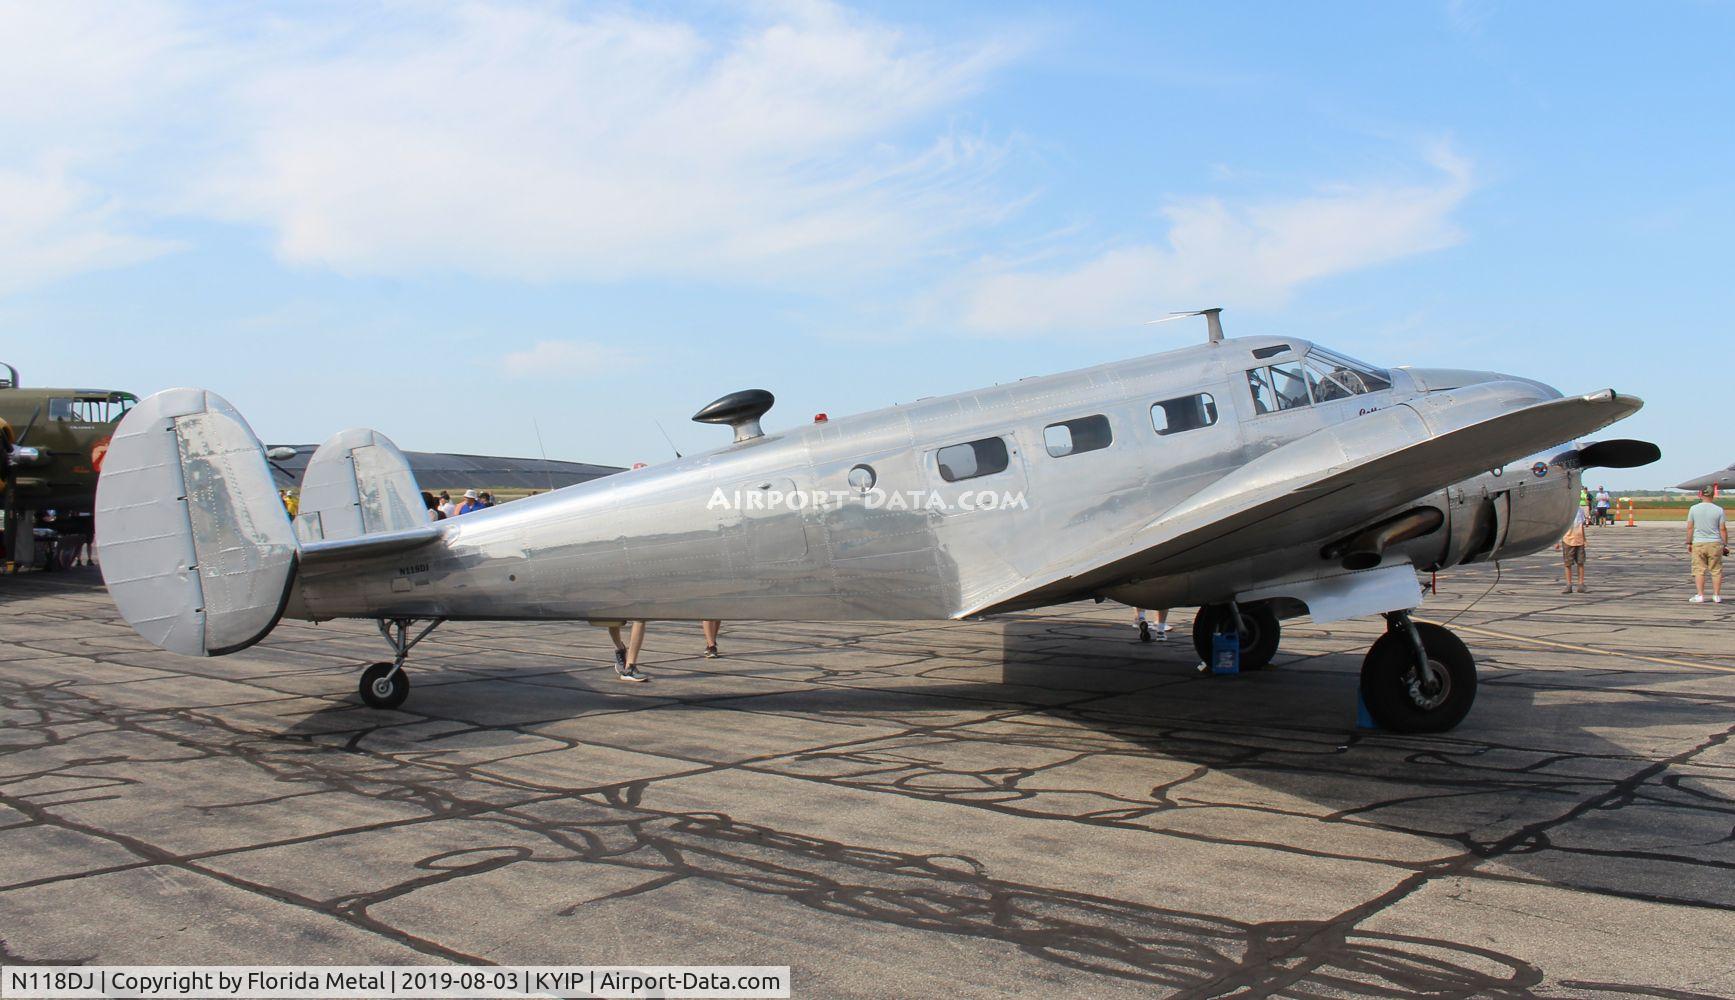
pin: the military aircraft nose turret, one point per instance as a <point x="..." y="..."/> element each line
<point x="740" y="410"/>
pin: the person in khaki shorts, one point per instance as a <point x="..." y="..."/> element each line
<point x="1571" y="546"/>
<point x="1708" y="540"/>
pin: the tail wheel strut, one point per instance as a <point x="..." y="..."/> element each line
<point x="385" y="685"/>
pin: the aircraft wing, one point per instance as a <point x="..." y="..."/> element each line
<point x="1320" y="486"/>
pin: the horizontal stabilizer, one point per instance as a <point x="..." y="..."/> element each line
<point x="315" y="555"/>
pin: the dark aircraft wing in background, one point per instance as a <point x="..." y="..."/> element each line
<point x="436" y="471"/>
<point x="1723" y="479"/>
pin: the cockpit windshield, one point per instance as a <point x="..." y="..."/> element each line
<point x="1333" y="376"/>
<point x="1319" y="377"/>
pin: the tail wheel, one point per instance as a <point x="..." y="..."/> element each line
<point x="1407" y="699"/>
<point x="382" y="687"/>
<point x="1260" y="632"/>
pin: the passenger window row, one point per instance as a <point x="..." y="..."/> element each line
<point x="987" y="456"/>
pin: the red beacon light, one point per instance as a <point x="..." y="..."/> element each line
<point x="820" y="418"/>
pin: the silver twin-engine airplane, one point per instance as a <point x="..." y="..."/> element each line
<point x="1261" y="478"/>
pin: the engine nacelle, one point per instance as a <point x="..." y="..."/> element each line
<point x="1501" y="514"/>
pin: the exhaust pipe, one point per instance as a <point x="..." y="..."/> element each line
<point x="1364" y="549"/>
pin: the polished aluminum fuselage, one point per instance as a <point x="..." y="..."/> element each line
<point x="656" y="543"/>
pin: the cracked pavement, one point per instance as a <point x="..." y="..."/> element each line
<point x="1021" y="805"/>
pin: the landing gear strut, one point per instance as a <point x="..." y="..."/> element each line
<point x="1418" y="677"/>
<point x="385" y="685"/>
<point x="1256" y="623"/>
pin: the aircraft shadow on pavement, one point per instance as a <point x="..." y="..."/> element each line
<point x="1541" y="783"/>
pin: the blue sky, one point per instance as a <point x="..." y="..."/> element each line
<point x="450" y="221"/>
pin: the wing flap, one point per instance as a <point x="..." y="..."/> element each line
<point x="1353" y="464"/>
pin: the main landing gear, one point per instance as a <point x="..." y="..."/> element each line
<point x="1418" y="677"/>
<point x="1256" y="623"/>
<point x="385" y="685"/>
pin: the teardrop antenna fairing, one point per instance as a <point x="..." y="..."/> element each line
<point x="740" y="410"/>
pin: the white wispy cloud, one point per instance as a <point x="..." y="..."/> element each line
<point x="53" y="226"/>
<point x="523" y="141"/>
<point x="71" y="79"/>
<point x="1217" y="250"/>
<point x="568" y="359"/>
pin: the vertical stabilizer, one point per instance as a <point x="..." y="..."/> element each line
<point x="196" y="548"/>
<point x="358" y="483"/>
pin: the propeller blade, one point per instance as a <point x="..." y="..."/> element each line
<point x="19" y="441"/>
<point x="1620" y="453"/>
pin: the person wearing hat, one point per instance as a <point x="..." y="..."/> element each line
<point x="471" y="502"/>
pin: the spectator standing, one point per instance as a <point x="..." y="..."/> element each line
<point x="1708" y="541"/>
<point x="447" y="507"/>
<point x="1572" y="548"/>
<point x="626" y="654"/>
<point x="471" y="502"/>
<point x="711" y="627"/>
<point x="1602" y="506"/>
<point x="1145" y="626"/>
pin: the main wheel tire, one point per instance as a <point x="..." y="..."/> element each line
<point x="1260" y="634"/>
<point x="381" y="688"/>
<point x="1401" y="700"/>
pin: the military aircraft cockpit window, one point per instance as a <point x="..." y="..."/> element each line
<point x="1184" y="413"/>
<point x="59" y="408"/>
<point x="1333" y="376"/>
<point x="973" y="458"/>
<point x="96" y="411"/>
<point x="1071" y="437"/>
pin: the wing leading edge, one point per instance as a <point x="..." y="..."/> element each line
<point x="1326" y="483"/>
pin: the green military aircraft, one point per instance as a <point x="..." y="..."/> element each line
<point x="52" y="443"/>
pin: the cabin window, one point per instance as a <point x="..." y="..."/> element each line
<point x="972" y="459"/>
<point x="862" y="478"/>
<point x="1184" y="413"/>
<point x="1072" y="437"/>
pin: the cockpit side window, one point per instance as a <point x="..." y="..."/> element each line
<point x="59" y="408"/>
<point x="1264" y="400"/>
<point x="1289" y="385"/>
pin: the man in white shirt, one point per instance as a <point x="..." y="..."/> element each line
<point x="1708" y="541"/>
